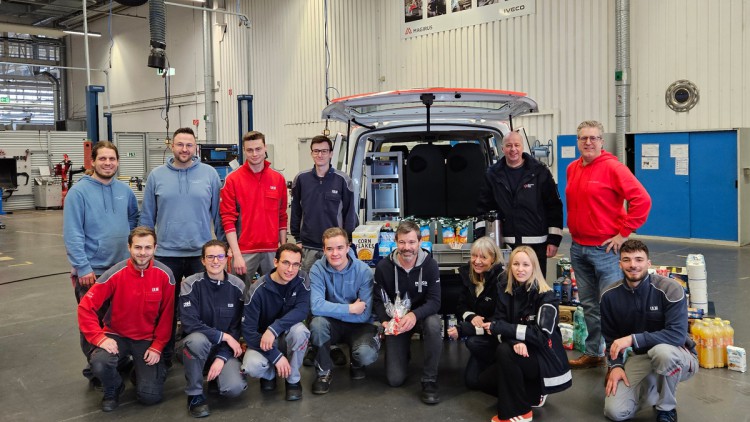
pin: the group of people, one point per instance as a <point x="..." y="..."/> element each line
<point x="316" y="291"/>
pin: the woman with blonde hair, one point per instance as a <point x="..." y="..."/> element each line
<point x="476" y="305"/>
<point x="530" y="359"/>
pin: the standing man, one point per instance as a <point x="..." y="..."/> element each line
<point x="272" y="324"/>
<point x="211" y="310"/>
<point x="523" y="192"/>
<point x="253" y="204"/>
<point x="137" y="324"/>
<point x="648" y="313"/>
<point x="410" y="271"/>
<point x="99" y="213"/>
<point x="181" y="202"/>
<point x="322" y="197"/>
<point x="598" y="185"/>
<point x="341" y="302"/>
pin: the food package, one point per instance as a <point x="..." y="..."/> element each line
<point x="365" y="239"/>
<point x="736" y="359"/>
<point x="566" y="330"/>
<point x="396" y="311"/>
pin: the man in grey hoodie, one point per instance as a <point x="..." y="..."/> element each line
<point x="181" y="202"/>
<point x="341" y="304"/>
<point x="99" y="213"/>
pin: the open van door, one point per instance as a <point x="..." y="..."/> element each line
<point x="340" y="156"/>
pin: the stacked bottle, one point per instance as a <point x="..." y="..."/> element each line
<point x="729" y="339"/>
<point x="720" y="348"/>
<point x="706" y="333"/>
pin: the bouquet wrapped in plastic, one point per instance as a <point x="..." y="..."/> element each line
<point x="396" y="311"/>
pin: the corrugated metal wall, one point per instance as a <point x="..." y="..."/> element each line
<point x="705" y="42"/>
<point x="561" y="56"/>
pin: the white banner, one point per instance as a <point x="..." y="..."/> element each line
<point x="423" y="17"/>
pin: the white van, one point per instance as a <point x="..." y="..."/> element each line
<point x="423" y="153"/>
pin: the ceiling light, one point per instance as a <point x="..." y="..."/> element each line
<point x="91" y="34"/>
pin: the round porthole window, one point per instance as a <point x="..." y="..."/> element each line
<point x="682" y="95"/>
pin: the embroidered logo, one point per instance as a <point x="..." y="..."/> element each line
<point x="272" y="187"/>
<point x="528" y="186"/>
<point x="654" y="308"/>
<point x="334" y="191"/>
<point x="230" y="305"/>
<point x="154" y="289"/>
<point x="186" y="304"/>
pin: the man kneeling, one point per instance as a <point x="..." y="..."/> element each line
<point x="341" y="302"/>
<point x="648" y="313"/>
<point x="275" y="307"/>
<point x="211" y="311"/>
<point x="138" y="323"/>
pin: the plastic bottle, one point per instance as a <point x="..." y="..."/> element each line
<point x="729" y="340"/>
<point x="566" y="291"/>
<point x="719" y="346"/>
<point x="580" y="332"/>
<point x="697" y="332"/>
<point x="707" y="335"/>
<point x="574" y="293"/>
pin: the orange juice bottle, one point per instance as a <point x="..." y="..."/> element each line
<point x="695" y="334"/>
<point x="720" y="349"/>
<point x="707" y="335"/>
<point x="729" y="339"/>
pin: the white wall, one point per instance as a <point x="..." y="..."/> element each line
<point x="562" y="56"/>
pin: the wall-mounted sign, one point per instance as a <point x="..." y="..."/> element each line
<point x="422" y="17"/>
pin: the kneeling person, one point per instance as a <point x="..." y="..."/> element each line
<point x="341" y="302"/>
<point x="138" y="324"/>
<point x="648" y="313"/>
<point x="272" y="323"/>
<point x="211" y="310"/>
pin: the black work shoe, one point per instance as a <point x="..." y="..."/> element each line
<point x="357" y="372"/>
<point x="293" y="391"/>
<point x="322" y="384"/>
<point x="338" y="357"/>
<point x="267" y="385"/>
<point x="198" y="407"/>
<point x="430" y="393"/>
<point x="111" y="398"/>
<point x="666" y="415"/>
<point x="309" y="359"/>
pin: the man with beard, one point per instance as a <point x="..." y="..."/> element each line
<point x="645" y="315"/>
<point x="410" y="271"/>
<point x="179" y="194"/>
<point x="137" y="324"/>
<point x="99" y="213"/>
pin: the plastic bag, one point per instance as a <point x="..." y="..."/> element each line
<point x="396" y="311"/>
<point x="580" y="332"/>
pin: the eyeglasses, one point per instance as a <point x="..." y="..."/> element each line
<point x="220" y="257"/>
<point x="287" y="264"/>
<point x="182" y="146"/>
<point x="589" y="138"/>
<point x="320" y="151"/>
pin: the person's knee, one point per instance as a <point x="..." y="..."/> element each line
<point x="664" y="360"/>
<point x="298" y="337"/>
<point x="396" y="379"/>
<point x="234" y="388"/>
<point x="254" y="366"/>
<point x="431" y="325"/>
<point x="504" y="353"/>
<point x="365" y="354"/>
<point x="196" y="346"/>
<point x="617" y="412"/>
<point x="149" y="393"/>
<point x="320" y="331"/>
<point x="102" y="361"/>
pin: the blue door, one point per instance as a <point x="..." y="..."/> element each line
<point x="669" y="190"/>
<point x="713" y="185"/>
<point x="567" y="147"/>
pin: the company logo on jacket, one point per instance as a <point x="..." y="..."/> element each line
<point x="154" y="289"/>
<point x="654" y="308"/>
<point x="186" y="304"/>
<point x="528" y="186"/>
<point x="272" y="187"/>
<point x="230" y="305"/>
<point x="422" y="282"/>
<point x="334" y="191"/>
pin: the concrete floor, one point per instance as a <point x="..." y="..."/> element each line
<point x="40" y="365"/>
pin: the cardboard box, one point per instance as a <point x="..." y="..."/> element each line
<point x="365" y="239"/>
<point x="566" y="313"/>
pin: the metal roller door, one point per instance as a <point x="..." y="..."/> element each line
<point x="132" y="148"/>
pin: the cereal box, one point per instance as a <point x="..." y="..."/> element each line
<point x="365" y="239"/>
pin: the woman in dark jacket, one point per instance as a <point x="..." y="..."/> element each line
<point x="476" y="305"/>
<point x="531" y="361"/>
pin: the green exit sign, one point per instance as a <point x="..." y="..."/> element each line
<point x="4" y="99"/>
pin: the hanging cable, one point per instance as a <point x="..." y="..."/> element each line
<point x="167" y="97"/>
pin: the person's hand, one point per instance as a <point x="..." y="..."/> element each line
<point x="357" y="307"/>
<point x="87" y="280"/>
<point x="266" y="342"/>
<point x="283" y="368"/>
<point x="487" y="326"/>
<point x="521" y="350"/>
<point x="619" y="345"/>
<point x="614" y="243"/>
<point x="151" y="357"/>
<point x="614" y="376"/>
<point x="238" y="263"/>
<point x="453" y="333"/>
<point x="110" y="345"/>
<point x="215" y="369"/>
<point x="477" y="321"/>
<point x="232" y="343"/>
<point x="407" y="322"/>
<point x="551" y="251"/>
